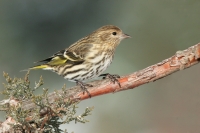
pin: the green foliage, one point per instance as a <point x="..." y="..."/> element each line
<point x="45" y="116"/>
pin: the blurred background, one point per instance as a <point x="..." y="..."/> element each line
<point x="33" y="30"/>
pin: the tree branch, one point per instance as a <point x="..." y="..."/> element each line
<point x="181" y="60"/>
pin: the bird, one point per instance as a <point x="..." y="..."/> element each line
<point x="87" y="58"/>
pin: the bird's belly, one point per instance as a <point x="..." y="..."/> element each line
<point x="87" y="70"/>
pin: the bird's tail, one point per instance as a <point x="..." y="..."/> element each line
<point x="44" y="67"/>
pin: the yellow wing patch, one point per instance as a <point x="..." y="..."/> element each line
<point x="57" y="61"/>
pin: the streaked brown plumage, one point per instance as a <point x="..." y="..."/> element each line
<point x="86" y="58"/>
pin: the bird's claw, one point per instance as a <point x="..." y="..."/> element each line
<point x="113" y="78"/>
<point x="83" y="87"/>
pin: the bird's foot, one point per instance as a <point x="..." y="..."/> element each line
<point x="113" y="78"/>
<point x="84" y="87"/>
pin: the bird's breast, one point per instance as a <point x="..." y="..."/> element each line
<point x="100" y="63"/>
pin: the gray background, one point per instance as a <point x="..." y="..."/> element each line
<point x="33" y="30"/>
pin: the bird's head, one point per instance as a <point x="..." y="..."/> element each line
<point x="110" y="35"/>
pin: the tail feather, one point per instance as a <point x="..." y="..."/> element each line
<point x="45" y="67"/>
<point x="39" y="67"/>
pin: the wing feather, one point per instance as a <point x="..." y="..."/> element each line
<point x="73" y="55"/>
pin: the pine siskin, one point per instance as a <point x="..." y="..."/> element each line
<point x="86" y="58"/>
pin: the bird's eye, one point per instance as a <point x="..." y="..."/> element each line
<point x="114" y="33"/>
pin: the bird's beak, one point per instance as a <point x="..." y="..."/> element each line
<point x="124" y="36"/>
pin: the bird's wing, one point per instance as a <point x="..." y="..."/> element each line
<point x="73" y="55"/>
<point x="79" y="51"/>
<point x="59" y="54"/>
